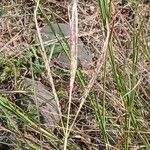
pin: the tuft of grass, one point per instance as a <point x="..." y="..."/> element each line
<point x="120" y="100"/>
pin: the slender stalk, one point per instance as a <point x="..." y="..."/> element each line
<point x="74" y="53"/>
<point x="45" y="59"/>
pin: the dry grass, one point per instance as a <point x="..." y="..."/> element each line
<point x="100" y="96"/>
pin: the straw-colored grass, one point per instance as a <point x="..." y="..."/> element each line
<point x="103" y="107"/>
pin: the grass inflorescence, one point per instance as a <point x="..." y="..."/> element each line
<point x="105" y="106"/>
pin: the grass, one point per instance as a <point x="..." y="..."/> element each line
<point x="111" y="109"/>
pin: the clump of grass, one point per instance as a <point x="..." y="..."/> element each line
<point x="127" y="87"/>
<point x="121" y="83"/>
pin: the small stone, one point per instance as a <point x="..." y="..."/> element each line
<point x="45" y="99"/>
<point x="84" y="55"/>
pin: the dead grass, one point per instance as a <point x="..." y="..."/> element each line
<point x="18" y="29"/>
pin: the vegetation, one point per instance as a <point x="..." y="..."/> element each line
<point x="105" y="106"/>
